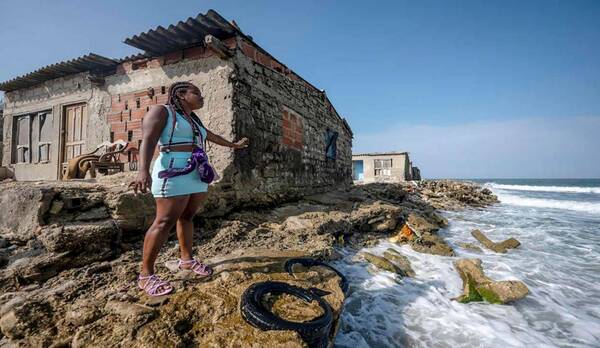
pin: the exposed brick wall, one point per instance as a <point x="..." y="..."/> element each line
<point x="127" y="112"/>
<point x="291" y="129"/>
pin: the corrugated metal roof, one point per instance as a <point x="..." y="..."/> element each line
<point x="89" y="62"/>
<point x="183" y="35"/>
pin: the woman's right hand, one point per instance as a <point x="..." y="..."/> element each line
<point x="143" y="182"/>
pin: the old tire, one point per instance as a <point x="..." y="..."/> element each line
<point x="314" y="332"/>
<point x="308" y="262"/>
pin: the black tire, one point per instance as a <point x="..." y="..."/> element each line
<point x="314" y="332"/>
<point x="308" y="262"/>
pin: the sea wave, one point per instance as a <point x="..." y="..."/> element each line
<point x="562" y="189"/>
<point x="587" y="207"/>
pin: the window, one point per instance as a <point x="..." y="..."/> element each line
<point x="32" y="138"/>
<point x="383" y="167"/>
<point x="44" y="122"/>
<point x="22" y="141"/>
<point x="331" y="144"/>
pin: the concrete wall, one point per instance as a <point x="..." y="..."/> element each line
<point x="286" y="120"/>
<point x="54" y="95"/>
<point x="400" y="170"/>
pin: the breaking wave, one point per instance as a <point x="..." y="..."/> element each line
<point x="587" y="207"/>
<point x="561" y="189"/>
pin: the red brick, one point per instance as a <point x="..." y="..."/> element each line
<point x="116" y="98"/>
<point x="126" y="115"/>
<point x="287" y="141"/>
<point x="286" y="122"/>
<point x="118" y="127"/>
<point x="161" y="98"/>
<point x="173" y="57"/>
<point x="117" y="107"/>
<point x="121" y="136"/>
<point x="231" y="42"/>
<point x="134" y="124"/>
<point x="197" y="52"/>
<point x="137" y="114"/>
<point x="139" y="94"/>
<point x="277" y="67"/>
<point x="249" y="50"/>
<point x="156" y="63"/>
<point x="263" y="59"/>
<point x="114" y="117"/>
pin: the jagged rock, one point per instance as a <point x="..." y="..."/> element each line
<point x="500" y="247"/>
<point x="470" y="246"/>
<point x="82" y="237"/>
<point x="477" y="286"/>
<point x="453" y="195"/>
<point x="383" y="263"/>
<point x="399" y="260"/>
<point x="32" y="316"/>
<point x="421" y="235"/>
<point x="131" y="212"/>
<point x="22" y="210"/>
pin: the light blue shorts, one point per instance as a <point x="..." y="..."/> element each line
<point x="178" y="185"/>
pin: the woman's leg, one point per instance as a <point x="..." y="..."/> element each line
<point x="168" y="211"/>
<point x="185" y="226"/>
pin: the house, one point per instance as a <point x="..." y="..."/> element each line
<point x="299" y="143"/>
<point x="383" y="167"/>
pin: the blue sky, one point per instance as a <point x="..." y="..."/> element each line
<point x="469" y="88"/>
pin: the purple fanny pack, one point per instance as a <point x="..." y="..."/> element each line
<point x="198" y="161"/>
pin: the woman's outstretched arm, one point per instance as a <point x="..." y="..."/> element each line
<point x="240" y="144"/>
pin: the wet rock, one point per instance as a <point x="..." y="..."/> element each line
<point x="470" y="246"/>
<point x="399" y="260"/>
<point x="383" y="263"/>
<point x="421" y="235"/>
<point x="500" y="247"/>
<point x="477" y="286"/>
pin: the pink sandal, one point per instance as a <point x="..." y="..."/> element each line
<point x="153" y="283"/>
<point x="196" y="266"/>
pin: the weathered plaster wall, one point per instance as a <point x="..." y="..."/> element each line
<point x="54" y="95"/>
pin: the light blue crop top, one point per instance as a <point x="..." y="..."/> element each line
<point x="183" y="132"/>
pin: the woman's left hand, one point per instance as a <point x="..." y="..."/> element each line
<point x="242" y="143"/>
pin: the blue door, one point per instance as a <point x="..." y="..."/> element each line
<point x="357" y="170"/>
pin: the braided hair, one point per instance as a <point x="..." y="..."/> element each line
<point x="174" y="100"/>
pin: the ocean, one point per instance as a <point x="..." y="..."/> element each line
<point x="558" y="225"/>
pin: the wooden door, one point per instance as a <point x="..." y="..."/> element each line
<point x="75" y="126"/>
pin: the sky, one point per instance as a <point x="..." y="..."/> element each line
<point x="472" y="89"/>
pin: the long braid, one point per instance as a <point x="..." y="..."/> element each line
<point x="177" y="104"/>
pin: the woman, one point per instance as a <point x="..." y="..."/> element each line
<point x="178" y="190"/>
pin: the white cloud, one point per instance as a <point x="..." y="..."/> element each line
<point x="525" y="148"/>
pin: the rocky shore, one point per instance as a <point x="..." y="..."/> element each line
<point x="70" y="253"/>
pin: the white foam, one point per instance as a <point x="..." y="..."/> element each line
<point x="561" y="189"/>
<point x="593" y="208"/>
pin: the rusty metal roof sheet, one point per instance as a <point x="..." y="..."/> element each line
<point x="89" y="62"/>
<point x="183" y="35"/>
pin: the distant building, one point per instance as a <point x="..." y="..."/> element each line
<point x="383" y="167"/>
